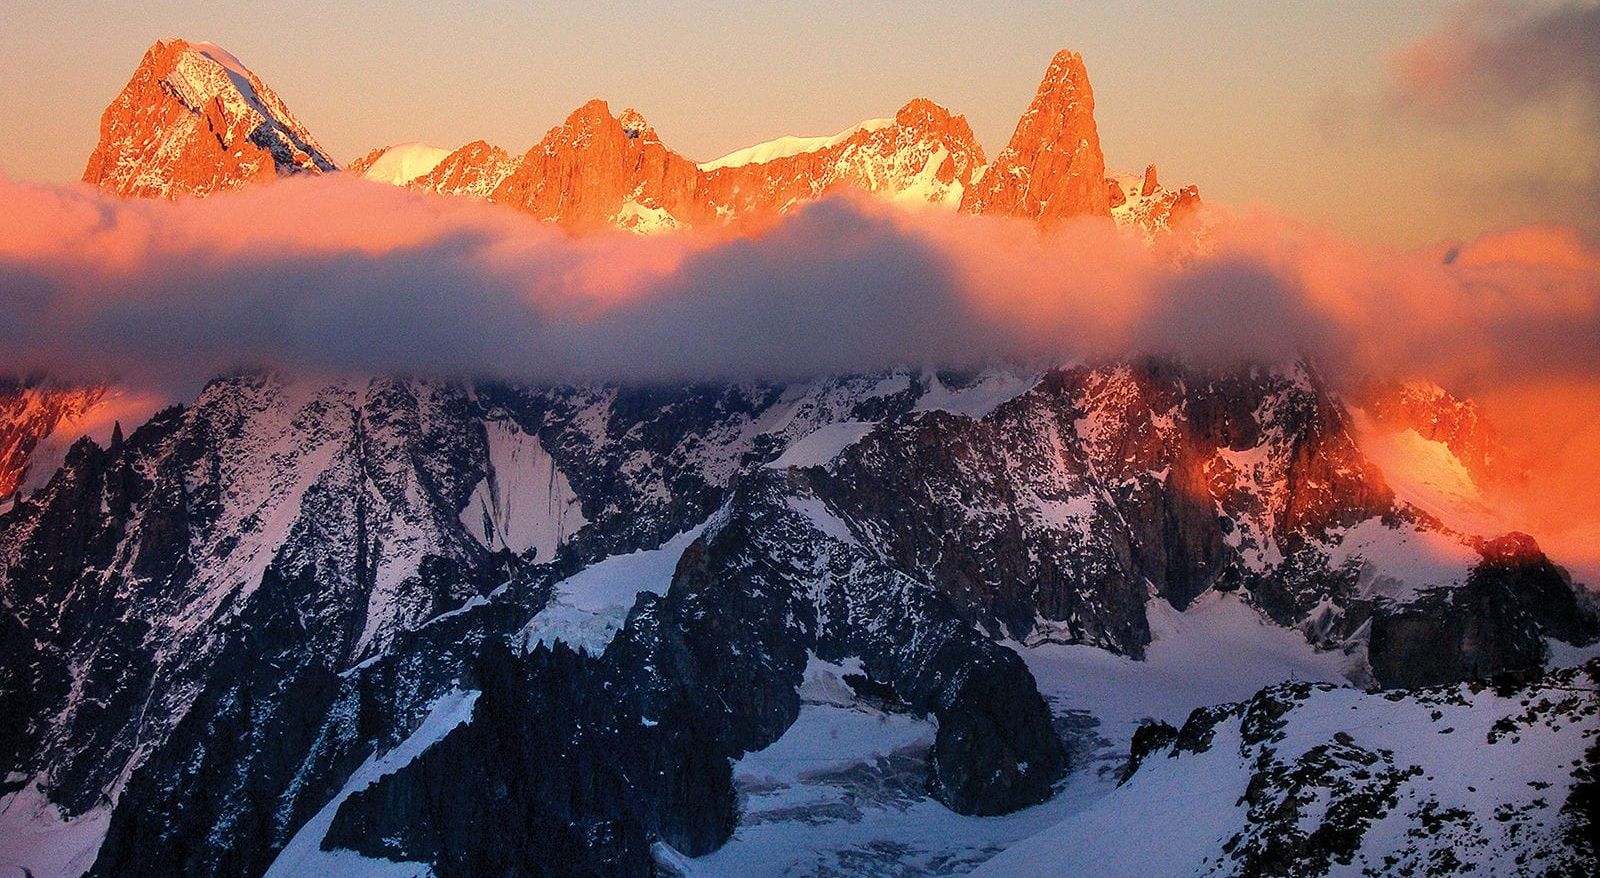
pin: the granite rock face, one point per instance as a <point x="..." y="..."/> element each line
<point x="1053" y="168"/>
<point x="213" y="623"/>
<point x="193" y="120"/>
<point x="1496" y="624"/>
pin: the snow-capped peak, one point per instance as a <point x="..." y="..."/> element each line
<point x="222" y="56"/>
<point x="400" y="164"/>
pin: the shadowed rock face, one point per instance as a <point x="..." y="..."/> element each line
<point x="632" y="745"/>
<point x="1075" y="499"/>
<point x="567" y="779"/>
<point x="1052" y="169"/>
<point x="215" y="621"/>
<point x="193" y="121"/>
<point x="1494" y="625"/>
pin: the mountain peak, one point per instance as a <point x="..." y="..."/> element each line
<point x="921" y="111"/>
<point x="474" y="170"/>
<point x="193" y="120"/>
<point x="1052" y="168"/>
<point x="595" y="168"/>
<point x="1150" y="183"/>
<point x="925" y="115"/>
<point x="399" y="164"/>
<point x="593" y="112"/>
<point x="1066" y="67"/>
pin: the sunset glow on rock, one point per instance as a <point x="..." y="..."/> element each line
<point x="537" y="491"/>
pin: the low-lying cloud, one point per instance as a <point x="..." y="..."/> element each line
<point x="336" y="275"/>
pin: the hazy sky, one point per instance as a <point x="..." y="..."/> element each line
<point x="1277" y="102"/>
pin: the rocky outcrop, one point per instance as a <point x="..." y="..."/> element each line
<point x="29" y="413"/>
<point x="474" y="171"/>
<point x="193" y="121"/>
<point x="1495" y="624"/>
<point x="924" y="154"/>
<point x="549" y="768"/>
<point x="360" y="165"/>
<point x="1078" y="496"/>
<point x="1052" y="169"/>
<point x="1439" y="416"/>
<point x="597" y="169"/>
<point x="1142" y="202"/>
<point x="1435" y="781"/>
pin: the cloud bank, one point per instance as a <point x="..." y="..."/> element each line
<point x="338" y="275"/>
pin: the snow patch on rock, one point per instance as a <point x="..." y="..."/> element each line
<point x="524" y="502"/>
<point x="304" y="857"/>
<point x="991" y="390"/>
<point x="587" y="610"/>
<point x="404" y="162"/>
<point x="36" y="835"/>
<point x="1400" y="563"/>
<point x="821" y="446"/>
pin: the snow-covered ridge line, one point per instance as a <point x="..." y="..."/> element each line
<point x="789" y="145"/>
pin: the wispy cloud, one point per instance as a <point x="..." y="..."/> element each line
<point x="1523" y="80"/>
<point x="1489" y="56"/>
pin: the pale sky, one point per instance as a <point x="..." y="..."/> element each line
<point x="1275" y="103"/>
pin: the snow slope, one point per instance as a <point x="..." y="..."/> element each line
<point x="404" y="162"/>
<point x="587" y="609"/>
<point x="34" y="831"/>
<point x="841" y="792"/>
<point x="524" y="502"/>
<point x="789" y="145"/>
<point x="988" y="392"/>
<point x="1321" y="780"/>
<point x="824" y="444"/>
<point x="1217" y="651"/>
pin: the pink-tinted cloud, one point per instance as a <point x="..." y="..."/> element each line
<point x="339" y="275"/>
<point x="1518" y="83"/>
<point x="1490" y="56"/>
<point x="342" y="274"/>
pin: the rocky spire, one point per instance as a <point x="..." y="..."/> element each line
<point x="1053" y="168"/>
<point x="595" y="169"/>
